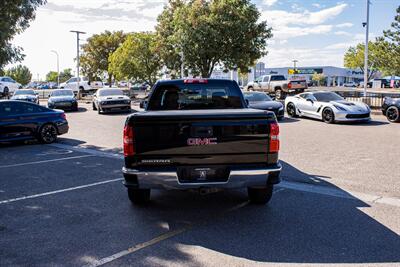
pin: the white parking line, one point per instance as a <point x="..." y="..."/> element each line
<point x="94" y="152"/>
<point x="158" y="239"/>
<point x="59" y="191"/>
<point x="44" y="161"/>
<point x="328" y="191"/>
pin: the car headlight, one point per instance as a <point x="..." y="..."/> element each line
<point x="340" y="108"/>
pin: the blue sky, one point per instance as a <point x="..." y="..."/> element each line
<point x="315" y="32"/>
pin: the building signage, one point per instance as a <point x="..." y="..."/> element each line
<point x="304" y="71"/>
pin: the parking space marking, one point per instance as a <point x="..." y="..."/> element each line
<point x="158" y="239"/>
<point x="94" y="152"/>
<point x="59" y="191"/>
<point x="324" y="190"/>
<point x="44" y="161"/>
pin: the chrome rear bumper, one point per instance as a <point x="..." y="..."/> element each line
<point x="169" y="179"/>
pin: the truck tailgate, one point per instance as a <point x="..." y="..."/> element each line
<point x="201" y="137"/>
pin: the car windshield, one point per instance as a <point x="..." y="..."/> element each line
<point x="24" y="92"/>
<point x="109" y="92"/>
<point x="327" y="97"/>
<point x="62" y="93"/>
<point x="257" y="97"/>
<point x="207" y="95"/>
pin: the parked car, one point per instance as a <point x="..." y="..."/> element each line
<point x="199" y="134"/>
<point x="391" y="109"/>
<point x="123" y="84"/>
<point x="22" y="120"/>
<point x="26" y="95"/>
<point x="278" y="85"/>
<point x="81" y="84"/>
<point x="326" y="106"/>
<point x="361" y="84"/>
<point x="350" y="84"/>
<point x="43" y="86"/>
<point x="260" y="100"/>
<point x="111" y="99"/>
<point x="63" y="99"/>
<point x="8" y="86"/>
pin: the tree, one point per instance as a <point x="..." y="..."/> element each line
<point x="319" y="78"/>
<point x="96" y="52"/>
<point x="394" y="34"/>
<point x="210" y="33"/>
<point x="137" y="59"/>
<point x="392" y="47"/>
<point x="20" y="74"/>
<point x="52" y="76"/>
<point x="15" y="18"/>
<point x="354" y="57"/>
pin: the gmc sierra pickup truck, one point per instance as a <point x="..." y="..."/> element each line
<point x="278" y="85"/>
<point x="199" y="134"/>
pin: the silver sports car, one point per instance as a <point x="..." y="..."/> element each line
<point x="326" y="106"/>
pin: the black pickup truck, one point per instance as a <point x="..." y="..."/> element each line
<point x="200" y="134"/>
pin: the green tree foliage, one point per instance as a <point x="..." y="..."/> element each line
<point x="354" y="57"/>
<point x="96" y="52"/>
<point x="210" y="33"/>
<point x="392" y="46"/>
<point x="52" y="76"/>
<point x="137" y="59"/>
<point x="15" y="18"/>
<point x="20" y="73"/>
<point x="319" y="78"/>
<point x="394" y="33"/>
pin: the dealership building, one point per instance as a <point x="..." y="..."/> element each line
<point x="335" y="76"/>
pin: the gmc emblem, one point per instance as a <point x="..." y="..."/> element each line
<point x="201" y="141"/>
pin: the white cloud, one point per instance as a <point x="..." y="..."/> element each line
<point x="316" y="5"/>
<point x="270" y="2"/>
<point x="343" y="33"/>
<point x="357" y="38"/>
<point x="345" y="25"/>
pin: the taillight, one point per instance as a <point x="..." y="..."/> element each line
<point x="274" y="138"/>
<point x="289" y="85"/>
<point x="129" y="138"/>
<point x="195" y="81"/>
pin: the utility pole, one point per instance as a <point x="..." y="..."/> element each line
<point x="366" y="25"/>
<point x="58" y="68"/>
<point x="182" y="65"/>
<point x="294" y="67"/>
<point x="77" y="60"/>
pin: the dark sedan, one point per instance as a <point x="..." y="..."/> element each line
<point x="63" y="99"/>
<point x="21" y="120"/>
<point x="26" y="95"/>
<point x="259" y="100"/>
<point x="391" y="109"/>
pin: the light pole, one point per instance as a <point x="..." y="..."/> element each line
<point x="294" y="67"/>
<point x="58" y="68"/>
<point x="77" y="59"/>
<point x="366" y="25"/>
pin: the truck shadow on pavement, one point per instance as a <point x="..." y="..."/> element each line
<point x="296" y="227"/>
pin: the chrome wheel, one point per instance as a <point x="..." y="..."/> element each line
<point x="393" y="114"/>
<point x="48" y="133"/>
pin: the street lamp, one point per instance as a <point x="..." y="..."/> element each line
<point x="58" y="67"/>
<point x="77" y="59"/>
<point x="366" y="25"/>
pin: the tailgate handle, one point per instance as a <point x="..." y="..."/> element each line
<point x="202" y="131"/>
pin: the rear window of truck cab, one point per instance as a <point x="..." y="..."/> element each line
<point x="186" y="96"/>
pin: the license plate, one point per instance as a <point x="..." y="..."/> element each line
<point x="203" y="174"/>
<point x="64" y="104"/>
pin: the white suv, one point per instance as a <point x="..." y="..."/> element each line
<point x="8" y="86"/>
<point x="84" y="85"/>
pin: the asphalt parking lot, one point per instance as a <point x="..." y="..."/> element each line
<point x="64" y="204"/>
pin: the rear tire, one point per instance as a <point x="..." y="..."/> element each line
<point x="279" y="94"/>
<point x="48" y="134"/>
<point x="260" y="195"/>
<point x="139" y="196"/>
<point x="6" y="93"/>
<point x="291" y="110"/>
<point x="250" y="88"/>
<point x="393" y="114"/>
<point x="328" y="116"/>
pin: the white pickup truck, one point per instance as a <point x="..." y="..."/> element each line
<point x="277" y="84"/>
<point x="82" y="84"/>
